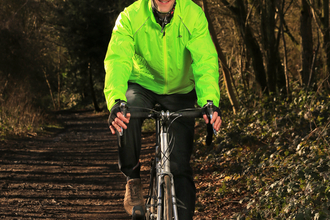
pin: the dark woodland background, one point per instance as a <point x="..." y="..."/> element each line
<point x="272" y="155"/>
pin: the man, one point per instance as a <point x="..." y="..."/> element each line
<point x="160" y="52"/>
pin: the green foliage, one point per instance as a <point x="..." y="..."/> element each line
<point x="280" y="151"/>
<point x="19" y="117"/>
<point x="148" y="125"/>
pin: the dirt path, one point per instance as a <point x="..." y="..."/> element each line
<point x="73" y="175"/>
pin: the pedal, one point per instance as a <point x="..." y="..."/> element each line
<point x="138" y="213"/>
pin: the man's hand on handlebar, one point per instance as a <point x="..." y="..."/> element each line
<point x="216" y="119"/>
<point x="212" y="115"/>
<point x="119" y="117"/>
<point x="119" y="123"/>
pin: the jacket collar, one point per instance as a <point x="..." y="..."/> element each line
<point x="156" y="16"/>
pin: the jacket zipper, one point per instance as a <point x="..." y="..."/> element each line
<point x="165" y="62"/>
<point x="163" y="26"/>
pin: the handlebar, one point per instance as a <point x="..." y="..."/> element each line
<point x="185" y="113"/>
<point x="151" y="113"/>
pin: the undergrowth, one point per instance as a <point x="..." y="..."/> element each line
<point x="270" y="161"/>
<point x="20" y="118"/>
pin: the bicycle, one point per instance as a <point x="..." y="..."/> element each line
<point x="161" y="202"/>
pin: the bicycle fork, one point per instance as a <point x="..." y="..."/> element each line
<point x="163" y="168"/>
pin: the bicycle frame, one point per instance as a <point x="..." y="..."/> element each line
<point x="160" y="170"/>
<point x="163" y="165"/>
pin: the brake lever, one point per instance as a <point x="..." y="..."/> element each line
<point x="123" y="109"/>
<point x="210" y="112"/>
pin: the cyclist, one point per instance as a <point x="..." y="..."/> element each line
<point x="160" y="52"/>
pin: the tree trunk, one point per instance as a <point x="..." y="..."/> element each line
<point x="222" y="58"/>
<point x="307" y="44"/>
<point x="285" y="58"/>
<point x="59" y="80"/>
<point x="91" y="84"/>
<point x="268" y="42"/>
<point x="50" y="89"/>
<point x="251" y="43"/>
<point x="326" y="39"/>
<point x="275" y="72"/>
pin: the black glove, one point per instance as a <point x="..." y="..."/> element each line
<point x="118" y="107"/>
<point x="209" y="108"/>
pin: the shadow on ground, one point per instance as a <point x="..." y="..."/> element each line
<point x="73" y="174"/>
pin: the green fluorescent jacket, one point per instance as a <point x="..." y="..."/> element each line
<point x="169" y="61"/>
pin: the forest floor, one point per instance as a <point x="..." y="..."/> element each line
<point x="71" y="173"/>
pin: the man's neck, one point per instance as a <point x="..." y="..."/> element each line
<point x="162" y="14"/>
<point x="162" y="18"/>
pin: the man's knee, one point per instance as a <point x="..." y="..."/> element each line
<point x="181" y="169"/>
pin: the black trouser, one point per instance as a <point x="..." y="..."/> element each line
<point x="182" y="130"/>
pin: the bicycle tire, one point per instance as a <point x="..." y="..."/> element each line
<point x="151" y="202"/>
<point x="168" y="206"/>
<point x="153" y="198"/>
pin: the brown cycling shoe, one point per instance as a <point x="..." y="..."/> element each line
<point x="134" y="197"/>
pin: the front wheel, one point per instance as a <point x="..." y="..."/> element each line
<point x="151" y="202"/>
<point x="168" y="206"/>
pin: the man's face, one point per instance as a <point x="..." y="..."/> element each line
<point x="164" y="6"/>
